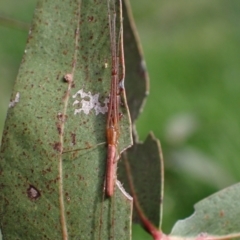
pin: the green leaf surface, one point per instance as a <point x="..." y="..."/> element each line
<point x="216" y="215"/>
<point x="136" y="82"/>
<point x="144" y="160"/>
<point x="145" y="174"/>
<point x="46" y="193"/>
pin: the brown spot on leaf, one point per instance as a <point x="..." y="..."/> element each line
<point x="80" y="177"/>
<point x="88" y="145"/>
<point x="33" y="193"/>
<point x="120" y="116"/>
<point x="90" y="18"/>
<point x="59" y="128"/>
<point x="57" y="146"/>
<point x="221" y="213"/>
<point x="58" y="75"/>
<point x="73" y="85"/>
<point x="61" y="117"/>
<point x="73" y="136"/>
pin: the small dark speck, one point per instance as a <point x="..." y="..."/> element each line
<point x="33" y="193"/>
<point x="221" y="213"/>
<point x="61" y="117"/>
<point x="73" y="136"/>
<point x="90" y="18"/>
<point x="59" y="128"/>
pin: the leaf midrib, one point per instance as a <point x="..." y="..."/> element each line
<point x="66" y="101"/>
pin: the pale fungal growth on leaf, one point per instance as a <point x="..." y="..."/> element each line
<point x="68" y="77"/>
<point x="15" y="101"/>
<point x="89" y="102"/>
<point x="33" y="193"/>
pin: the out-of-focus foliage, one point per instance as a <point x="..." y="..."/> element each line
<point x="192" y="53"/>
<point x="12" y="44"/>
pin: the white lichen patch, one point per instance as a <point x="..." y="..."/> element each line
<point x="15" y="101"/>
<point x="89" y="102"/>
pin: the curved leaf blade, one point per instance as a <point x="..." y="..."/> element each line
<point x="137" y="81"/>
<point x="145" y="178"/>
<point x="46" y="193"/>
<point x="217" y="215"/>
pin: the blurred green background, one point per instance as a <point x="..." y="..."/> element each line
<point x="192" y="51"/>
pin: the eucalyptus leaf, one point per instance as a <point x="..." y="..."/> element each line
<point x="49" y="188"/>
<point x="137" y="81"/>
<point x="144" y="171"/>
<point x="145" y="159"/>
<point x="216" y="215"/>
